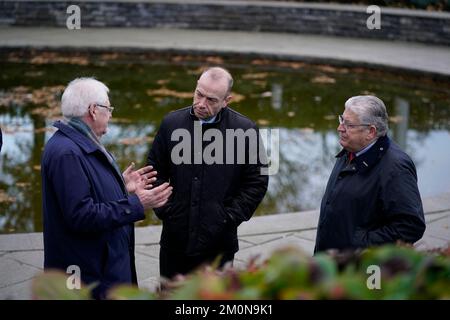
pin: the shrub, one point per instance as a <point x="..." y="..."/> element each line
<point x="290" y="274"/>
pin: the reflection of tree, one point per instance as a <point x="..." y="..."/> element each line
<point x="23" y="182"/>
<point x="35" y="160"/>
<point x="302" y="175"/>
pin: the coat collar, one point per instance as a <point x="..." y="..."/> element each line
<point x="369" y="158"/>
<point x="82" y="141"/>
<point x="218" y="117"/>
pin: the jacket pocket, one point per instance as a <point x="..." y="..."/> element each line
<point x="359" y="238"/>
<point x="213" y="226"/>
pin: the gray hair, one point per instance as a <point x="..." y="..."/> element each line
<point x="218" y="73"/>
<point x="80" y="93"/>
<point x="371" y="110"/>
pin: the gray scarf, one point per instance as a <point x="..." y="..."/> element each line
<point x="80" y="126"/>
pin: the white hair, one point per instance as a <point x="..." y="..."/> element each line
<point x="80" y="93"/>
<point x="371" y="110"/>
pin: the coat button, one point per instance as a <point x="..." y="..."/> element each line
<point x="127" y="211"/>
<point x="195" y="179"/>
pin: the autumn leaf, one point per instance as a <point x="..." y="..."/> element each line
<point x="396" y="119"/>
<point x="214" y="59"/>
<point x="164" y="92"/>
<point x="55" y="57"/>
<point x="134" y="141"/>
<point x="162" y="82"/>
<point x="5" y="198"/>
<point x="323" y="79"/>
<point x="110" y="56"/>
<point x="330" y="117"/>
<point x="23" y="184"/>
<point x="263" y="122"/>
<point x="251" y="76"/>
<point x="237" y="97"/>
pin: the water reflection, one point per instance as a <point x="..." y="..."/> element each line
<point x="303" y="110"/>
<point x="401" y="117"/>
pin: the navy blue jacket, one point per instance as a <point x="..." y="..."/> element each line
<point x="88" y="215"/>
<point x="371" y="201"/>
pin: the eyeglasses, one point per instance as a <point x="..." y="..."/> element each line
<point x="349" y="125"/>
<point x="110" y="109"/>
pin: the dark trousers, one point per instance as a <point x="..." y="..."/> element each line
<point x="173" y="263"/>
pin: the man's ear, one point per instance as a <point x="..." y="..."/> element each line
<point x="372" y="132"/>
<point x="92" y="111"/>
<point x="228" y="99"/>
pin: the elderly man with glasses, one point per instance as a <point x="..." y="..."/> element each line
<point x="89" y="205"/>
<point x="372" y="196"/>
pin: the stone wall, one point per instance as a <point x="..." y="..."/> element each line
<point x="265" y="16"/>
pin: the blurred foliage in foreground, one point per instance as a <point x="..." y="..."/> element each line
<point x="290" y="274"/>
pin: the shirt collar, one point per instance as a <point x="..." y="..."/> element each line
<point x="365" y="149"/>
<point x="210" y="120"/>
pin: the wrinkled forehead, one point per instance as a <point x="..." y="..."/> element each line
<point x="212" y="87"/>
<point x="350" y="115"/>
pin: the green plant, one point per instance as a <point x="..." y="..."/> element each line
<point x="290" y="274"/>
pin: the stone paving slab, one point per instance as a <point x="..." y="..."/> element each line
<point x="431" y="217"/>
<point x="151" y="250"/>
<point x="436" y="203"/>
<point x="21" y="242"/>
<point x="307" y="234"/>
<point x="440" y="228"/>
<point x="14" y="272"/>
<point x="148" y="235"/>
<point x="264" y="250"/>
<point x="150" y="283"/>
<point x="34" y="259"/>
<point x="284" y="222"/>
<point x="19" y="291"/>
<point x="244" y="244"/>
<point x="255" y="240"/>
<point x="146" y="267"/>
<point x="322" y="49"/>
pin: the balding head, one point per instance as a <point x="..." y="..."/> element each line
<point x="212" y="93"/>
<point x="218" y="74"/>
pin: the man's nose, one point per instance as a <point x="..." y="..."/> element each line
<point x="340" y="128"/>
<point x="202" y="102"/>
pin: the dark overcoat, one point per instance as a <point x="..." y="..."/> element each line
<point x="88" y="215"/>
<point x="372" y="200"/>
<point x="209" y="200"/>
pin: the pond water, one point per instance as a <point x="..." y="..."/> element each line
<point x="300" y="100"/>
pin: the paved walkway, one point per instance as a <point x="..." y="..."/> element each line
<point x="21" y="255"/>
<point x="398" y="55"/>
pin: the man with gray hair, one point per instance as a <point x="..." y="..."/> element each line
<point x="89" y="206"/>
<point x="372" y="196"/>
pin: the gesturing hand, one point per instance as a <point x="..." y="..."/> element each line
<point x="143" y="177"/>
<point x="154" y="198"/>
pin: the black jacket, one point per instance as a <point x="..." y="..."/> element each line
<point x="209" y="201"/>
<point x="371" y="201"/>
